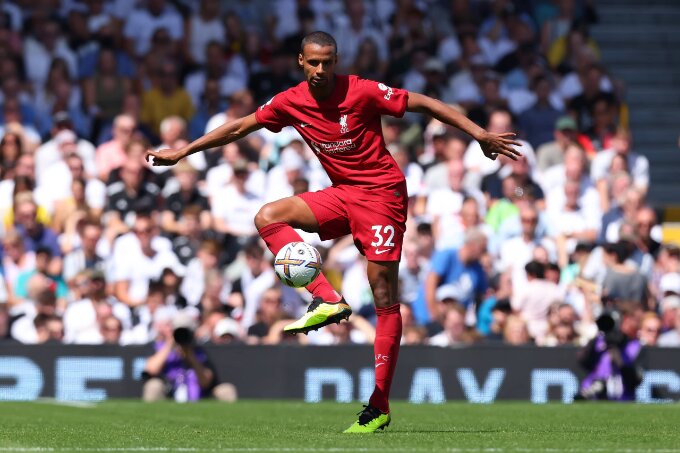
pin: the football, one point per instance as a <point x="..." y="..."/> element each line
<point x="297" y="264"/>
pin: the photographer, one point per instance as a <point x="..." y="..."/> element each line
<point x="612" y="359"/>
<point x="179" y="369"/>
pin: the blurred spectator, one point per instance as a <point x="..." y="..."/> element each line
<point x="235" y="219"/>
<point x="208" y="105"/>
<point x="515" y="332"/>
<point x="637" y="165"/>
<point x="552" y="153"/>
<point x="612" y="356"/>
<point x="42" y="309"/>
<point x="532" y="299"/>
<point x="202" y="27"/>
<point x="256" y="278"/>
<point x="112" y="154"/>
<point x="143" y="22"/>
<point x="34" y="233"/>
<point x="517" y="251"/>
<point x="454" y="328"/>
<point x="104" y="93"/>
<point x="43" y="257"/>
<point x="132" y="194"/>
<point x="226" y="331"/>
<point x="187" y="195"/>
<point x="537" y="122"/>
<point x="672" y="337"/>
<point x="179" y="369"/>
<point x="167" y="98"/>
<point x="456" y="267"/>
<point x="43" y="48"/>
<point x="228" y="69"/>
<point x="64" y="141"/>
<point x="85" y="320"/>
<point x="623" y="281"/>
<point x="650" y="329"/>
<point x="138" y="259"/>
<point x="269" y="311"/>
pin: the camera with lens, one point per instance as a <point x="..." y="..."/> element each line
<point x="608" y="324"/>
<point x="184" y="325"/>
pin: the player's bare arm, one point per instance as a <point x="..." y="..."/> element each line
<point x="227" y="133"/>
<point x="492" y="144"/>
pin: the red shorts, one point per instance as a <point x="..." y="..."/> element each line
<point x="376" y="221"/>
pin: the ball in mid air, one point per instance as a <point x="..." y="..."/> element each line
<point x="297" y="264"/>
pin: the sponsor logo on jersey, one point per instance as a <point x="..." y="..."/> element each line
<point x="343" y="124"/>
<point x="333" y="147"/>
<point x="384" y="87"/>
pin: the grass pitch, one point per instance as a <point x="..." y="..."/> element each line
<point x="252" y="426"/>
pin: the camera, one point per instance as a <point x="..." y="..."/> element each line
<point x="184" y="326"/>
<point x="183" y="336"/>
<point x="608" y="324"/>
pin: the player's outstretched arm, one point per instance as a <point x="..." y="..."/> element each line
<point x="227" y="133"/>
<point x="492" y="144"/>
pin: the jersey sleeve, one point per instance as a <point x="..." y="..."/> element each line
<point x="384" y="99"/>
<point x="272" y="114"/>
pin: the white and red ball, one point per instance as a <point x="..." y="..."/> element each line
<point x="297" y="264"/>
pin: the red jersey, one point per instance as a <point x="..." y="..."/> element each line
<point x="344" y="130"/>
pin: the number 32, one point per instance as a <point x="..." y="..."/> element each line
<point x="378" y="231"/>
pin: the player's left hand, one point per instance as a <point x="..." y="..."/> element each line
<point x="495" y="144"/>
<point x="164" y="157"/>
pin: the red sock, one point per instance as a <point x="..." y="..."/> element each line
<point x="278" y="234"/>
<point x="386" y="349"/>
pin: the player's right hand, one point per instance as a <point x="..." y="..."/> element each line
<point x="495" y="144"/>
<point x="164" y="157"/>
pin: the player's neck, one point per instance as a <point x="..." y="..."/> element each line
<point x="323" y="93"/>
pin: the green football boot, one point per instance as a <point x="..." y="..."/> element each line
<point x="320" y="314"/>
<point x="370" y="420"/>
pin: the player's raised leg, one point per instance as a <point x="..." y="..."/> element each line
<point x="383" y="277"/>
<point x="275" y="222"/>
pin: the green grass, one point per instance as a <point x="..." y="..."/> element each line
<point x="251" y="426"/>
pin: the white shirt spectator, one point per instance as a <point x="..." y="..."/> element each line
<point x="637" y="164"/>
<point x="278" y="185"/>
<point x="515" y="253"/>
<point x="236" y="209"/>
<point x="38" y="59"/>
<point x="669" y="339"/>
<point x="478" y="165"/>
<point x="253" y="288"/>
<point x="48" y="154"/>
<point x="203" y="32"/>
<point x="80" y="321"/>
<point x="141" y="25"/>
<point x="57" y="181"/>
<point x="235" y="78"/>
<point x="127" y="262"/>
<point x="495" y="50"/>
<point x="570" y="86"/>
<point x="349" y="39"/>
<point x="532" y="301"/>
<point x="220" y="176"/>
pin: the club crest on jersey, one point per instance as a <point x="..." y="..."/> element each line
<point x="384" y="87"/>
<point x="343" y="124"/>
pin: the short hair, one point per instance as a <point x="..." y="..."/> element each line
<point x="474" y="235"/>
<point x="535" y="269"/>
<point x="320" y="38"/>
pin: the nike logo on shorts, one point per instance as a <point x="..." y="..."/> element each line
<point x="379" y="252"/>
<point x="303" y="125"/>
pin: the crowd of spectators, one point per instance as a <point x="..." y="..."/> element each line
<point x="100" y="247"/>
